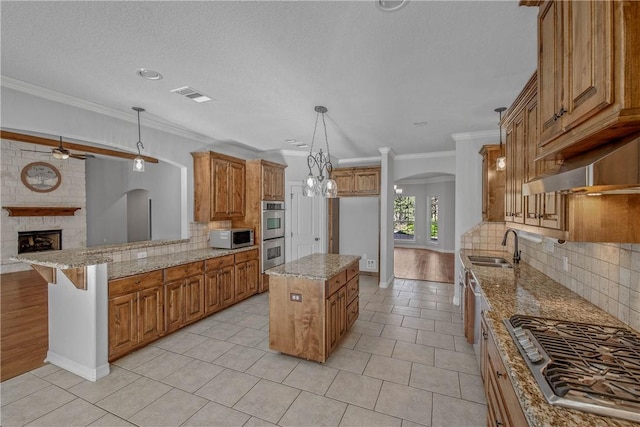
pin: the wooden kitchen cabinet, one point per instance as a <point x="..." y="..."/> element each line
<point x="136" y="308"/>
<point x="493" y="184"/>
<point x="357" y="181"/>
<point x="184" y="294"/>
<point x="247" y="274"/>
<point x="219" y="187"/>
<point x="587" y="74"/>
<point x="219" y="283"/>
<point x="336" y="318"/>
<point x="503" y="406"/>
<point x="469" y="301"/>
<point x="272" y="181"/>
<point x="515" y="164"/>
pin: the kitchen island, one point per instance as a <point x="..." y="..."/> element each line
<point x="313" y="302"/>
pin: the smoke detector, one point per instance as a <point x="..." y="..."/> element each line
<point x="191" y="93"/>
<point x="391" y="5"/>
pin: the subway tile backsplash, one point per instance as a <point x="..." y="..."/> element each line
<point x="606" y="274"/>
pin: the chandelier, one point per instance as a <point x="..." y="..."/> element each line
<point x="319" y="185"/>
<point x="501" y="162"/>
<point x="138" y="162"/>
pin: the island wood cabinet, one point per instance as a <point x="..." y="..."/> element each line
<point x="503" y="407"/>
<point x="587" y="74"/>
<point x="357" y="181"/>
<point x="308" y="318"/>
<point x="136" y="312"/>
<point x="493" y="183"/>
<point x="219" y="187"/>
<point x="184" y="294"/>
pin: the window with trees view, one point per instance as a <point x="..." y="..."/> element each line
<point x="433" y="218"/>
<point x="404" y="216"/>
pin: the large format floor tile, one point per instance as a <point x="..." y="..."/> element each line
<point x="403" y="363"/>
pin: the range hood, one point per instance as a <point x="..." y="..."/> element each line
<point x="610" y="169"/>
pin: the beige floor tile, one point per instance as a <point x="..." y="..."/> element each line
<point x="456" y="318"/>
<point x="365" y="298"/>
<point x="138" y="357"/>
<point x="355" y="389"/>
<point x="179" y="342"/>
<point x="381" y="307"/>
<point x="248" y="337"/>
<point x="414" y="353"/>
<point x="387" y="319"/>
<point x="419" y="323"/>
<point x="239" y="358"/>
<point x="110" y="420"/>
<point x="430" y="305"/>
<point x="64" y="379"/>
<point x="45" y="370"/>
<point x="78" y="410"/>
<point x="215" y="415"/>
<point x="35" y="405"/>
<point x="210" y="349"/>
<point x="405" y="402"/>
<point x="399" y="333"/>
<point x="132" y="398"/>
<point x="222" y="331"/>
<point x="462" y="345"/>
<point x="367" y="328"/>
<point x="312" y="410"/>
<point x="257" y="422"/>
<point x="449" y="411"/>
<point x="449" y="328"/>
<point x="311" y="376"/>
<point x="434" y="339"/>
<point x="254" y="321"/>
<point x="163" y="365"/>
<point x="355" y="416"/>
<point x="348" y="360"/>
<point x="172" y="409"/>
<point x="448" y="306"/>
<point x="191" y="377"/>
<point x="20" y="386"/>
<point x="365" y="315"/>
<point x="231" y="315"/>
<point x="435" y="315"/>
<point x="228" y="387"/>
<point x="406" y="311"/>
<point x="267" y="400"/>
<point x="397" y="301"/>
<point x="455" y="361"/>
<point x="92" y="391"/>
<point x="375" y="345"/>
<point x="388" y="369"/>
<point x="472" y="388"/>
<point x="407" y="423"/>
<point x="350" y="340"/>
<point x="264" y="346"/>
<point x="435" y="379"/>
<point x="201" y="325"/>
<point x="273" y="366"/>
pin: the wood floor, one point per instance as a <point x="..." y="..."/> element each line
<point x="24" y="325"/>
<point x="423" y="264"/>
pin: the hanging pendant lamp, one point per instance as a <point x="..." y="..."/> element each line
<point x="501" y="162"/>
<point x="319" y="185"/>
<point x="138" y="162"/>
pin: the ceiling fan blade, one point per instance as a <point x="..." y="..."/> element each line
<point x="81" y="156"/>
<point x="35" y="151"/>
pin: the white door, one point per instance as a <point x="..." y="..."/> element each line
<point x="307" y="223"/>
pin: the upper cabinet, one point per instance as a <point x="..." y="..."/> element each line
<point x="272" y="181"/>
<point x="357" y="181"/>
<point x="589" y="91"/>
<point x="493" y="182"/>
<point x="219" y="187"/>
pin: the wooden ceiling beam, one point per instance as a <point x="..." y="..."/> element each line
<point x="20" y="137"/>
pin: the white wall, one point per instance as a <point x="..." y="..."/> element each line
<point x="359" y="225"/>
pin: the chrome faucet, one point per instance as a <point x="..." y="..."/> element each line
<point x="516" y="252"/>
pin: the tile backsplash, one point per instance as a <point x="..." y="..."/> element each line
<point x="606" y="274"/>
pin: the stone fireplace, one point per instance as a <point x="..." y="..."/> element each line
<point x="41" y="240"/>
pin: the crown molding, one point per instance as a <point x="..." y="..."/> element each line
<point x="435" y="154"/>
<point x="473" y="136"/>
<point x="360" y="160"/>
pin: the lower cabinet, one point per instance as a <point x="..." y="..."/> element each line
<point x="247" y="274"/>
<point x="219" y="283"/>
<point x="341" y="306"/>
<point x="503" y="407"/>
<point x="136" y="312"/>
<point x="184" y="294"/>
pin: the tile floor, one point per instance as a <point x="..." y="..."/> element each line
<point x="404" y="363"/>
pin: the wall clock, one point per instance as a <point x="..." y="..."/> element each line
<point x="41" y="177"/>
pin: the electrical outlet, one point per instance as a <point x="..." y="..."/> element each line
<point x="549" y="245"/>
<point x="371" y="263"/>
<point x="142" y="255"/>
<point x="295" y="297"/>
<point x="565" y="263"/>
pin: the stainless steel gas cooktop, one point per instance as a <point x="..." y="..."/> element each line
<point x="587" y="367"/>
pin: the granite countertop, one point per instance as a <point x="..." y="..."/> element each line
<point x="525" y="290"/>
<point x="315" y="266"/>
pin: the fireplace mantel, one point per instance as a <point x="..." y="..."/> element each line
<point x="41" y="210"/>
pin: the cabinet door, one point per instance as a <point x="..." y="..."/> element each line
<point x="552" y="210"/>
<point x="123" y="332"/>
<point x="518" y="159"/>
<point x="150" y="314"/>
<point x="484" y="355"/>
<point x="212" y="301"/>
<point x="267" y="183"/>
<point x="236" y="189"/>
<point x="242" y="281"/>
<point x="219" y="188"/>
<point x="252" y="274"/>
<point x="278" y="184"/>
<point x="226" y="279"/>
<point x="194" y="298"/>
<point x="174" y="305"/>
<point x="509" y="200"/>
<point x="342" y="312"/>
<point x="366" y="182"/>
<point x="344" y="182"/>
<point x="469" y="313"/>
<point x="333" y="322"/>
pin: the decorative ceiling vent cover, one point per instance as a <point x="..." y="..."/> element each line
<point x="192" y="94"/>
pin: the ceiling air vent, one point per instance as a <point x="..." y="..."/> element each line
<point x="192" y="94"/>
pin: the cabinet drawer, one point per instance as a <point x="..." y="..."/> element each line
<point x="353" y="286"/>
<point x="353" y="309"/>
<point x="219" y="262"/>
<point x="247" y="255"/>
<point x="352" y="270"/>
<point x="184" y="270"/>
<point x="135" y="283"/>
<point x="335" y="283"/>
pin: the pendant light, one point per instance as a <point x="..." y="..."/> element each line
<point x="501" y="162"/>
<point x="138" y="162"/>
<point x="319" y="185"/>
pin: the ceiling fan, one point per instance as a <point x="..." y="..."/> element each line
<point x="62" y="153"/>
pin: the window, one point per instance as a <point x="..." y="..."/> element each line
<point x="404" y="216"/>
<point x="433" y="218"/>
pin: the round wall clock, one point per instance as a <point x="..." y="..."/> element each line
<point x="41" y="177"/>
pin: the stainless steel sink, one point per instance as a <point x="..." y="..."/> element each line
<point x="489" y="261"/>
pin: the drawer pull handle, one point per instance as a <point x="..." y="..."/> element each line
<point x="485" y="335"/>
<point x="499" y="374"/>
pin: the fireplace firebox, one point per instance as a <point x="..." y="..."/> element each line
<point x="40" y="240"/>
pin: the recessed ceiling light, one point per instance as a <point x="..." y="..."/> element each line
<point x="149" y="74"/>
<point x="391" y="5"/>
<point x="420" y="123"/>
<point x="290" y="141"/>
<point x="191" y="93"/>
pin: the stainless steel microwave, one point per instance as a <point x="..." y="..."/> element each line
<point x="231" y="238"/>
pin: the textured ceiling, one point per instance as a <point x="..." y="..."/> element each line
<point x="267" y="64"/>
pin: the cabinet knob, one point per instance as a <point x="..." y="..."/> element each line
<point x="498" y="423"/>
<point x="499" y="374"/>
<point x="555" y="117"/>
<point x="562" y="111"/>
<point x="485" y="335"/>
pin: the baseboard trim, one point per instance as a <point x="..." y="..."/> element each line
<point x="370" y="273"/>
<point x="85" y="372"/>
